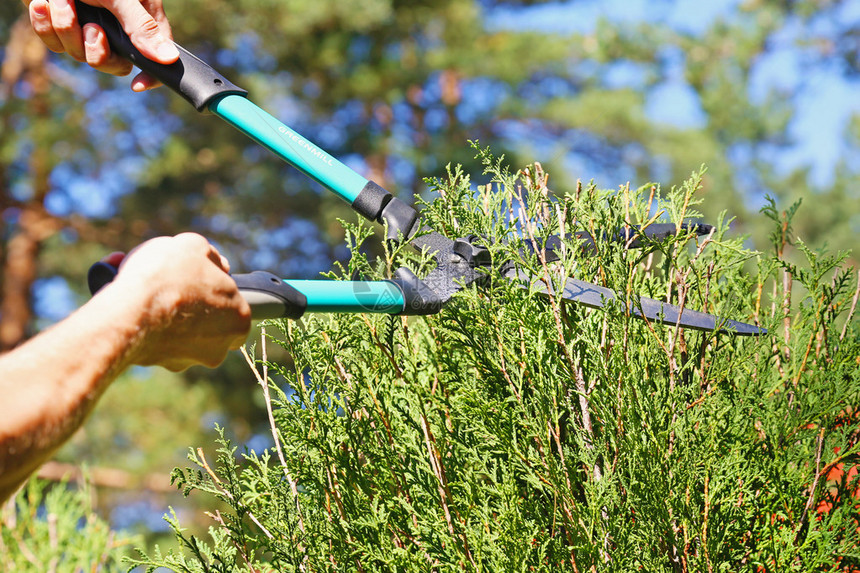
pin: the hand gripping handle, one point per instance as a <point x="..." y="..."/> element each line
<point x="190" y="77"/>
<point x="268" y="296"/>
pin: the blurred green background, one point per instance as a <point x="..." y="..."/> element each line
<point x="766" y="93"/>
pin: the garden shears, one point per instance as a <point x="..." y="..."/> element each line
<point x="459" y="263"/>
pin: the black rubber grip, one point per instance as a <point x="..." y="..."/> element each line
<point x="270" y="297"/>
<point x="190" y="77"/>
<point x="99" y="275"/>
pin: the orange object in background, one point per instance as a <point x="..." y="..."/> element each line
<point x="841" y="483"/>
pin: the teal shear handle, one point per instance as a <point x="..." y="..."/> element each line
<point x="298" y="151"/>
<point x="209" y="91"/>
<point x="272" y="297"/>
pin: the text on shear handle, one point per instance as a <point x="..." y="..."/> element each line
<point x="313" y="149"/>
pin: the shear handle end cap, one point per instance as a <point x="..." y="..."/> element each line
<point x="99" y="275"/>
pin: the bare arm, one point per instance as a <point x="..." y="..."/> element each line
<point x="172" y="304"/>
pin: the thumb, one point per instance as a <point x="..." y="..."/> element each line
<point x="143" y="30"/>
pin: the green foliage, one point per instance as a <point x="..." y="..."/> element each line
<point x="52" y="528"/>
<point x="515" y="432"/>
<point x="402" y="84"/>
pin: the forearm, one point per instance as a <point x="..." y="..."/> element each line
<point x="173" y="304"/>
<point x="51" y="383"/>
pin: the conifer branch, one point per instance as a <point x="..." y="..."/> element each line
<point x="850" y="316"/>
<point x="264" y="384"/>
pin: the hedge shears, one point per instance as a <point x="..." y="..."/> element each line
<point x="459" y="263"/>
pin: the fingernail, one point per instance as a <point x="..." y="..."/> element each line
<point x="91" y="35"/>
<point x="167" y="50"/>
<point x="41" y="10"/>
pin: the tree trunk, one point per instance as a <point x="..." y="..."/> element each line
<point x="30" y="225"/>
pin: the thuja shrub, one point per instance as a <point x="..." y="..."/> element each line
<point x="517" y="432"/>
<point x="52" y="528"/>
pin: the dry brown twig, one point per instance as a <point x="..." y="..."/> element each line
<point x="263" y="380"/>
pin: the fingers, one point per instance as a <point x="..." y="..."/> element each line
<point x="98" y="53"/>
<point x="143" y="29"/>
<point x="56" y="24"/>
<point x="65" y="23"/>
<point x="196" y="241"/>
<point x="61" y="33"/>
<point x="192" y="309"/>
<point x="219" y="260"/>
<point x="143" y="81"/>
<point x="40" y="18"/>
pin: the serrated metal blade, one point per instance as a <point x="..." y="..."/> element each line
<point x="626" y="238"/>
<point x="595" y="296"/>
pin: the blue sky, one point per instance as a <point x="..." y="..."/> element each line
<point x="578" y="16"/>
<point x="825" y="99"/>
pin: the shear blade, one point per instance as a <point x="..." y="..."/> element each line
<point x="595" y="296"/>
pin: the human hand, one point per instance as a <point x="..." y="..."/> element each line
<point x="188" y="307"/>
<point x="56" y="23"/>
